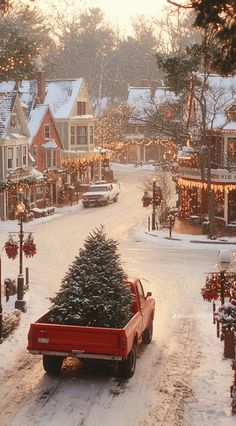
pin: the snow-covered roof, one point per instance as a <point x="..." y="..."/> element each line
<point x="220" y="95"/>
<point x="35" y="119"/>
<point x="163" y="94"/>
<point x="7" y="86"/>
<point x="50" y="144"/>
<point x="140" y="99"/>
<point x="144" y="100"/>
<point x="60" y="94"/>
<point x="7" y="101"/>
<point x="230" y="126"/>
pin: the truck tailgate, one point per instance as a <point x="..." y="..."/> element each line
<point x="74" y="340"/>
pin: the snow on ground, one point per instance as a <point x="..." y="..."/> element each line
<point x="211" y="380"/>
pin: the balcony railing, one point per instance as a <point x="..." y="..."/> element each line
<point x="217" y="175"/>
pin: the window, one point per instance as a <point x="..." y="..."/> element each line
<point x="24" y="155"/>
<point x="231" y="152"/>
<point x="46" y="131"/>
<point x="72" y="135"/>
<point x="38" y="192"/>
<point x="91" y="135"/>
<point x="10" y="158"/>
<point x="18" y="152"/>
<point x="51" y="158"/>
<point x="140" y="292"/>
<point x="81" y="108"/>
<point x="81" y="136"/>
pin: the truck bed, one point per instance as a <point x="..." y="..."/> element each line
<point x="82" y="341"/>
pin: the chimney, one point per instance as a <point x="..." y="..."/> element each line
<point x="41" y="86"/>
<point x="153" y="88"/>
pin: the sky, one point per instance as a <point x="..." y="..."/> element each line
<point x="120" y="11"/>
<point x="117" y="12"/>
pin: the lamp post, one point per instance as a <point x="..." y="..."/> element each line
<point x="20" y="303"/>
<point x="153" y="204"/>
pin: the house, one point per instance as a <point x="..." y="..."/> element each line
<point x="61" y="140"/>
<point x="220" y="121"/>
<point x="45" y="153"/>
<point x="15" y="169"/>
<point x="72" y="111"/>
<point x="144" y="143"/>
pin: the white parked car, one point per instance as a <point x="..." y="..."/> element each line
<point x="101" y="194"/>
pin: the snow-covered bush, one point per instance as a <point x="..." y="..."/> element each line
<point x="94" y="292"/>
<point x="10" y="321"/>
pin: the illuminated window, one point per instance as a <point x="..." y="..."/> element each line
<point x="231" y="151"/>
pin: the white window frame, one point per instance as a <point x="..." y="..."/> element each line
<point x="10" y="157"/>
<point x="46" y="131"/>
<point x="24" y="155"/>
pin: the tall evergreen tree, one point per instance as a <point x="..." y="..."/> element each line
<point x="93" y="292"/>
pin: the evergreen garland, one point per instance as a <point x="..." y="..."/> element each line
<point x="93" y="291"/>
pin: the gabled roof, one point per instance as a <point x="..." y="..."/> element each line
<point x="7" y="101"/>
<point x="35" y="119"/>
<point x="60" y="94"/>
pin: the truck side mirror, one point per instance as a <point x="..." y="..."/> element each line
<point x="149" y="293"/>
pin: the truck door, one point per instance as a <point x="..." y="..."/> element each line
<point x="144" y="306"/>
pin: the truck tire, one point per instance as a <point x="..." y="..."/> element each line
<point x="52" y="364"/>
<point x="107" y="202"/>
<point x="126" y="368"/>
<point x="86" y="205"/>
<point x="115" y="199"/>
<point x="147" y="334"/>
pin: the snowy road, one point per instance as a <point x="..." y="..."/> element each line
<point x="161" y="386"/>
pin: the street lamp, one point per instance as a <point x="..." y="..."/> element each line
<point x="224" y="261"/>
<point x="20" y="303"/>
<point x="153" y="204"/>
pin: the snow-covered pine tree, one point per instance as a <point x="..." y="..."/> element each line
<point x="93" y="292"/>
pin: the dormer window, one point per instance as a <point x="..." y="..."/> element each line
<point x="46" y="131"/>
<point x="81" y="108"/>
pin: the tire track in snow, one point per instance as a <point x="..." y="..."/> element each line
<point x="174" y="385"/>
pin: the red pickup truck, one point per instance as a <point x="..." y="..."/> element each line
<point x="56" y="342"/>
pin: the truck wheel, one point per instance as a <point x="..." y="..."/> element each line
<point x="86" y="205"/>
<point x="52" y="363"/>
<point x="147" y="334"/>
<point x="126" y="368"/>
<point x="115" y="199"/>
<point x="106" y="202"/>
